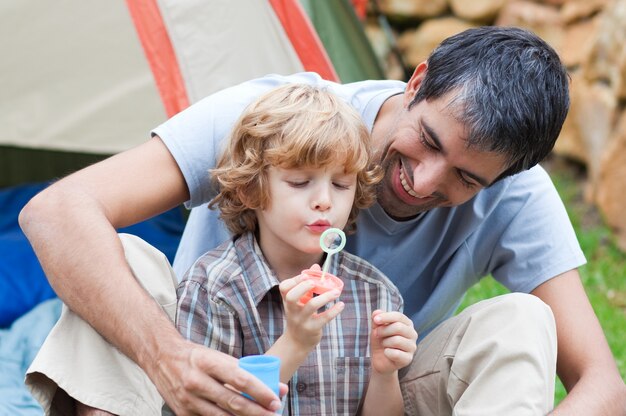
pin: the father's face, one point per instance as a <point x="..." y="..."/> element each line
<point x="426" y="161"/>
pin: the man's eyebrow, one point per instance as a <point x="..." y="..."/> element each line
<point x="484" y="183"/>
<point x="435" y="138"/>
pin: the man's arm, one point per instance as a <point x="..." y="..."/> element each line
<point x="585" y="363"/>
<point x="71" y="226"/>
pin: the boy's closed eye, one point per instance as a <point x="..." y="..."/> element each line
<point x="298" y="184"/>
<point x="343" y="185"/>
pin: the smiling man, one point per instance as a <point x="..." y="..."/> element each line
<point x="462" y="198"/>
<point x="426" y="155"/>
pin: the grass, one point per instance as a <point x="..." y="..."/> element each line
<point x="604" y="276"/>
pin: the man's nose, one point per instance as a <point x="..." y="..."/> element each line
<point x="427" y="178"/>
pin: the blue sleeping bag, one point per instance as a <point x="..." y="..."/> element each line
<point x="23" y="284"/>
<point x="18" y="346"/>
<point x="28" y="305"/>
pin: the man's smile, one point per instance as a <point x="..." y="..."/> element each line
<point x="405" y="185"/>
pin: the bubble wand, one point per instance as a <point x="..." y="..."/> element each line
<point x="329" y="249"/>
<point x="323" y="280"/>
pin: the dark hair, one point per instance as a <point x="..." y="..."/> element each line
<point x="510" y="91"/>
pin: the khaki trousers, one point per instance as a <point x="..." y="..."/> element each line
<point x="497" y="357"/>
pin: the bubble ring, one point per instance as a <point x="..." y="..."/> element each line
<point x="341" y="245"/>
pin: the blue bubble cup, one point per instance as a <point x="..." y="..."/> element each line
<point x="264" y="367"/>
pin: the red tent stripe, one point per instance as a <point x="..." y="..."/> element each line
<point x="160" y="54"/>
<point x="304" y="38"/>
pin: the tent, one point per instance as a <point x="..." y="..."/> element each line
<point x="85" y="79"/>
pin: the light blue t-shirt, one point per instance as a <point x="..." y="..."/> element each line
<point x="516" y="230"/>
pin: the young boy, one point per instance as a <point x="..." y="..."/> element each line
<point x="297" y="163"/>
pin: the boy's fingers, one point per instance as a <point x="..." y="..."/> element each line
<point x="397" y="329"/>
<point x="385" y="318"/>
<point x="320" y="300"/>
<point x="286" y="285"/>
<point x="331" y="313"/>
<point x="400" y="343"/>
<point x="298" y="290"/>
<point x="397" y="356"/>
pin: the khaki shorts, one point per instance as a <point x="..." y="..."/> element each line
<point x="76" y="360"/>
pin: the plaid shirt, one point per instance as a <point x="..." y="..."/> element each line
<point x="229" y="301"/>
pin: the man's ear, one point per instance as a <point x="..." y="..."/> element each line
<point x="414" y="83"/>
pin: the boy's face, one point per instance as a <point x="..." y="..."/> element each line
<point x="303" y="204"/>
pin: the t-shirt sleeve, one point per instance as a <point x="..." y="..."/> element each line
<point x="195" y="137"/>
<point x="538" y="241"/>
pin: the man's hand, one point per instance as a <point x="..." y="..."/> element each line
<point x="393" y="341"/>
<point x="195" y="380"/>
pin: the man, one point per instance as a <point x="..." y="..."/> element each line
<point x="461" y="199"/>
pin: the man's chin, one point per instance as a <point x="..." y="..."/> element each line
<point x="399" y="210"/>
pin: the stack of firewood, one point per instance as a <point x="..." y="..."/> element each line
<point x="589" y="35"/>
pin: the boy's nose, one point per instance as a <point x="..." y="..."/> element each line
<point x="322" y="205"/>
<point x="321" y="200"/>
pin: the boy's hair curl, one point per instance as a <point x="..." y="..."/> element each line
<point x="292" y="126"/>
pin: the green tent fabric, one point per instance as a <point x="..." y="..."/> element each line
<point x="24" y="165"/>
<point x="344" y="38"/>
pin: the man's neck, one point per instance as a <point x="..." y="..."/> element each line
<point x="401" y="219"/>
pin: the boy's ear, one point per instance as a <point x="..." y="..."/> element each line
<point x="414" y="83"/>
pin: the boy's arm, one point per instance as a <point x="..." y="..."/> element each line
<point x="383" y="396"/>
<point x="585" y="364"/>
<point x="291" y="355"/>
<point x="304" y="325"/>
<point x="392" y="344"/>
<point x="71" y="226"/>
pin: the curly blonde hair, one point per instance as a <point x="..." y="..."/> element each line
<point x="292" y="126"/>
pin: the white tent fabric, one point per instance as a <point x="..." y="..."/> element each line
<point x="75" y="76"/>
<point x="221" y="43"/>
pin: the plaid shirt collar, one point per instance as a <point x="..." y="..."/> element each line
<point x="257" y="272"/>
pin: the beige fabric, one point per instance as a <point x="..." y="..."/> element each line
<point x="79" y="361"/>
<point x="222" y="43"/>
<point x="498" y="357"/>
<point x="74" y="77"/>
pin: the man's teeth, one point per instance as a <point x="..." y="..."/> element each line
<point x="406" y="187"/>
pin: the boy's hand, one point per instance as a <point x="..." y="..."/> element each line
<point x="304" y="323"/>
<point x="393" y="341"/>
